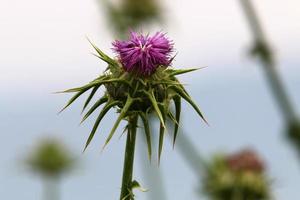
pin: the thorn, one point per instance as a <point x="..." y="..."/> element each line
<point x="84" y="150"/>
<point x="173" y="145"/>
<point x="206" y="122"/>
<point x="61" y="111"/>
<point x="102" y="149"/>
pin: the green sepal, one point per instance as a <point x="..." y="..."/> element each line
<point x="172" y="117"/>
<point x="162" y="128"/>
<point x="87" y="86"/>
<point x="97" y="82"/>
<point x="177" y="103"/>
<point x="114" y="80"/>
<point x="78" y="94"/>
<point x="90" y="97"/>
<point x="176" y="72"/>
<point x="94" y="107"/>
<point x="137" y="185"/>
<point x="186" y="97"/>
<point x="155" y="106"/>
<point x="103" y="56"/>
<point x="147" y="133"/>
<point x="143" y="82"/>
<point x="103" y="112"/>
<point x="122" y="115"/>
<point x="168" y="83"/>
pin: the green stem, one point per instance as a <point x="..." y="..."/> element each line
<point x="191" y="154"/>
<point x="51" y="190"/>
<point x="126" y="190"/>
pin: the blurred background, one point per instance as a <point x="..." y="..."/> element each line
<point x="43" y="49"/>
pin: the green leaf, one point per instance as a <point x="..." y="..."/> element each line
<point x="90" y="97"/>
<point x="147" y="132"/>
<point x="94" y="107"/>
<point x="177" y="103"/>
<point x="106" y="108"/>
<point x="102" y="55"/>
<point x="155" y="106"/>
<point x="123" y="113"/>
<point x="185" y="96"/>
<point x="137" y="185"/>
<point x="78" y="94"/>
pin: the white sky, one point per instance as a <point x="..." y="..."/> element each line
<point x="42" y="41"/>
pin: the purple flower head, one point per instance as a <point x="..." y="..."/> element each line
<point x="144" y="54"/>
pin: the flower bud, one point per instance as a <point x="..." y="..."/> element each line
<point x="237" y="176"/>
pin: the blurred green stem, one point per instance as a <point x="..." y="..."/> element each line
<point x="51" y="190"/>
<point x="126" y="190"/>
<point x="190" y="154"/>
<point x="265" y="54"/>
<point x="152" y="173"/>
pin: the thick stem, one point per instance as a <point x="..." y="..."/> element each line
<point x="272" y="75"/>
<point x="51" y="188"/>
<point x="126" y="190"/>
<point x="191" y="154"/>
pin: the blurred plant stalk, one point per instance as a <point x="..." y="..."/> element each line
<point x="263" y="51"/>
<point x="126" y="15"/>
<point x="153" y="175"/>
<point x="190" y="154"/>
<point x="51" y="188"/>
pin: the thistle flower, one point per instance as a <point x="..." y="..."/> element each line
<point x="130" y="91"/>
<point x="238" y="176"/>
<point x="245" y="160"/>
<point x="137" y="83"/>
<point x="144" y="54"/>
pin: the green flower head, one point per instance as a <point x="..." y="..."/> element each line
<point x="50" y="158"/>
<point x="138" y="82"/>
<point x="132" y="14"/>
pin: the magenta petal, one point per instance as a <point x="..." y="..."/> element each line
<point x="143" y="54"/>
